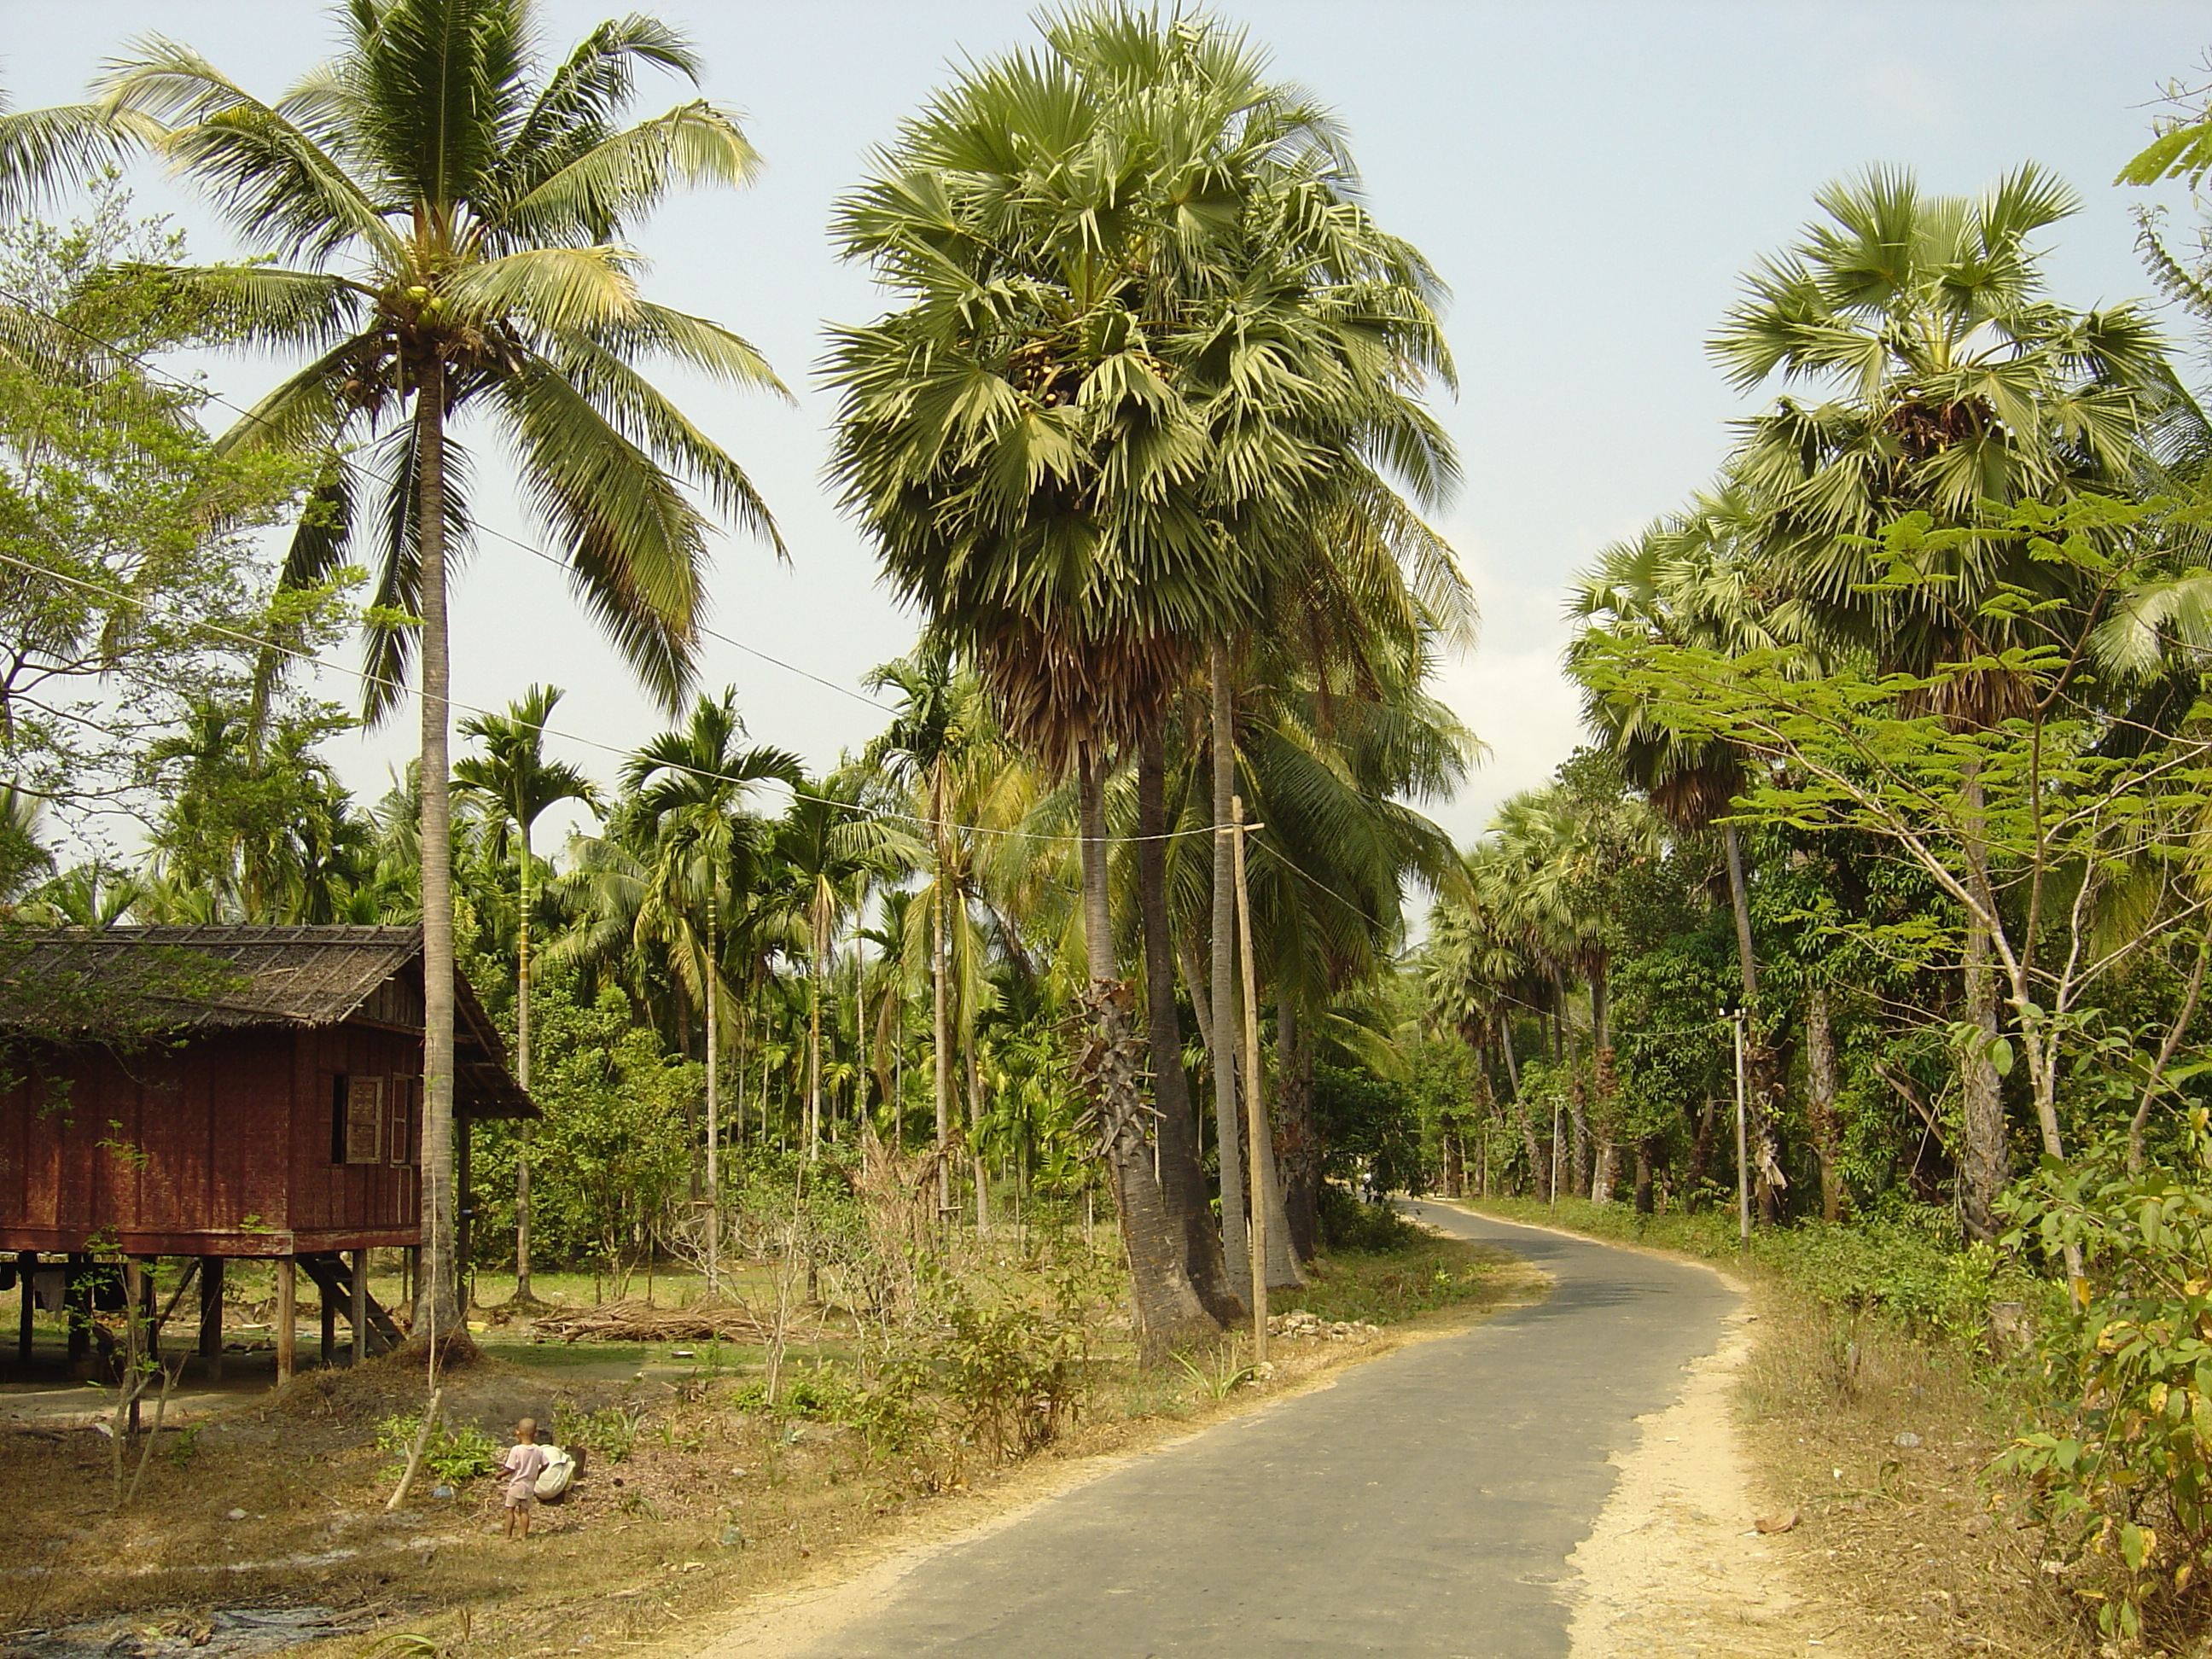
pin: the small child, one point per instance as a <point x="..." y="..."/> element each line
<point x="525" y="1462"/>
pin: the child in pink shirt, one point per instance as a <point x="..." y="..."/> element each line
<point x="525" y="1462"/>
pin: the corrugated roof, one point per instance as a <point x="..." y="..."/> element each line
<point x="258" y="975"/>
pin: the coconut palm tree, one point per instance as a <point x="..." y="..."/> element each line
<point x="452" y="201"/>
<point x="516" y="783"/>
<point x="942" y="722"/>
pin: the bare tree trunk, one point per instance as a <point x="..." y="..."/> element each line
<point x="1236" y="1248"/>
<point x="1183" y="1181"/>
<point x="1986" y="1164"/>
<point x="1820" y="1092"/>
<point x="1167" y="1306"/>
<point x="440" y="1276"/>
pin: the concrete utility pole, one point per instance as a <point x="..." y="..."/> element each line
<point x="1742" y="1159"/>
<point x="1255" y="1115"/>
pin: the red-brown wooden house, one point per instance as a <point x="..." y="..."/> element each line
<point x="277" y="1114"/>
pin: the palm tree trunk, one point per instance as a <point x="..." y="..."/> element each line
<point x="441" y="1279"/>
<point x="522" y="1076"/>
<point x="976" y="1159"/>
<point x="814" y="1034"/>
<point x="940" y="1037"/>
<point x="1168" y="1309"/>
<point x="713" y="984"/>
<point x="1302" y="1149"/>
<point x="1183" y="1183"/>
<point x="1235" y="1250"/>
<point x="1761" y="1083"/>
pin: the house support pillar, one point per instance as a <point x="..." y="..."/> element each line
<point x="287" y="1318"/>
<point x="359" y="1312"/>
<point x="211" y="1271"/>
<point x="27" y="1271"/>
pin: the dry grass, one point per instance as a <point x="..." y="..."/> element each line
<point x="713" y="1502"/>
<point x="1918" y="1550"/>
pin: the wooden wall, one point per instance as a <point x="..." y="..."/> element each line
<point x="222" y="1146"/>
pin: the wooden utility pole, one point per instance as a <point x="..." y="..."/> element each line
<point x="1255" y="1114"/>
<point x="1742" y="1162"/>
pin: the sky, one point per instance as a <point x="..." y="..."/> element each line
<point x="1590" y="178"/>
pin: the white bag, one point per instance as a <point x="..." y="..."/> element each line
<point x="560" y="1469"/>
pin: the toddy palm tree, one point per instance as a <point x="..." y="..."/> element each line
<point x="1950" y="380"/>
<point x="1145" y="321"/>
<point x="453" y="202"/>
<point x="515" y="780"/>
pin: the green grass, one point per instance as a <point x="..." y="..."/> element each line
<point x="1382" y="1287"/>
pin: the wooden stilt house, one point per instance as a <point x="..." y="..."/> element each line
<point x="263" y="1100"/>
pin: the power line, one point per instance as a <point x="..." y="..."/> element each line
<point x="551" y="558"/>
<point x="117" y="596"/>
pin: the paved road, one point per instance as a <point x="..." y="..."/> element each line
<point x="1425" y="1505"/>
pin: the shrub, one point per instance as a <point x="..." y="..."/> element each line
<point x="2122" y="1464"/>
<point x="609" y="1432"/>
<point x="453" y="1453"/>
<point x="1372" y="1229"/>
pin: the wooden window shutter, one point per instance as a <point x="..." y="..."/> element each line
<point x="406" y="1115"/>
<point x="364" y="1119"/>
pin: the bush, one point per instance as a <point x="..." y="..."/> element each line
<point x="609" y="1432"/>
<point x="453" y="1453"/>
<point x="2122" y="1465"/>
<point x="1372" y="1229"/>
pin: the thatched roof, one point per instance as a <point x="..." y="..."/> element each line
<point x="178" y="980"/>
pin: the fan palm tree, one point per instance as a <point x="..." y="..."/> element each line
<point x="515" y="781"/>
<point x="1145" y="321"/>
<point x="1950" y="379"/>
<point x="454" y="203"/>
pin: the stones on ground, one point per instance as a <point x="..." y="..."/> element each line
<point x="1298" y="1325"/>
